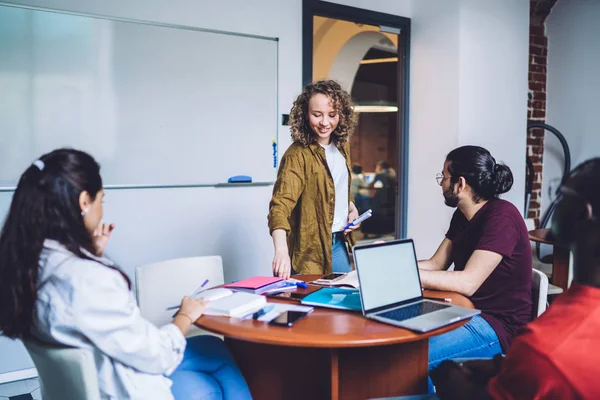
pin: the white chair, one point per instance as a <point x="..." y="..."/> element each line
<point x="65" y="373"/>
<point x="539" y="292"/>
<point x="164" y="284"/>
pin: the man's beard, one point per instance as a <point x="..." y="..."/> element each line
<point x="450" y="198"/>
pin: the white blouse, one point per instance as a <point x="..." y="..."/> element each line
<point x="82" y="303"/>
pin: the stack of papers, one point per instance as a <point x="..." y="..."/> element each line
<point x="235" y="305"/>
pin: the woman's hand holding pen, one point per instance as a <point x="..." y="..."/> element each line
<point x="352" y="215"/>
<point x="192" y="308"/>
<point x="189" y="312"/>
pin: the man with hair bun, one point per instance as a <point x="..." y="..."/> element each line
<point x="488" y="244"/>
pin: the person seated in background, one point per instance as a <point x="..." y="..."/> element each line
<point x="358" y="189"/>
<point x="385" y="175"/>
<point x="553" y="357"/>
<point x="56" y="287"/>
<point x="488" y="243"/>
<point x="383" y="202"/>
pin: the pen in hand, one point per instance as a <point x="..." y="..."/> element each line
<point x="366" y="215"/>
<point x="196" y="292"/>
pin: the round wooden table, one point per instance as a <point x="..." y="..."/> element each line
<point x="332" y="354"/>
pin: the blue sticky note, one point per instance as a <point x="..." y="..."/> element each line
<point x="240" y="179"/>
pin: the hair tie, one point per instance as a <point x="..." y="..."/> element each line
<point x="40" y="164"/>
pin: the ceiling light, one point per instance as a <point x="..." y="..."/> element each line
<point x="379" y="60"/>
<point x="375" y="108"/>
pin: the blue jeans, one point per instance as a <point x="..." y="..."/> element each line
<point x="340" y="262"/>
<point x="208" y="371"/>
<point x="476" y="339"/>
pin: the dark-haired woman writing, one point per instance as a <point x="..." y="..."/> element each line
<point x="488" y="244"/>
<point x="56" y="287"/>
<point x="311" y="201"/>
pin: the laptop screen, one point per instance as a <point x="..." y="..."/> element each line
<point x="388" y="273"/>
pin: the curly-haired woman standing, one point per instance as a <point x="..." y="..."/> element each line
<point x="311" y="202"/>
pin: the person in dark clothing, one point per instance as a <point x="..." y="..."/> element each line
<point x="552" y="357"/>
<point x="488" y="243"/>
<point x="383" y="202"/>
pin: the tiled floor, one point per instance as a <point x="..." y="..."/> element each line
<point x="10" y="389"/>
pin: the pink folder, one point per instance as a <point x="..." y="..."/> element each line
<point x="253" y="283"/>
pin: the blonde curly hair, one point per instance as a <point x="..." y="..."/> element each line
<point x="342" y="103"/>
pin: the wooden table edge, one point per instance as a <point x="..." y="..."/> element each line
<point x="539" y="236"/>
<point x="367" y="342"/>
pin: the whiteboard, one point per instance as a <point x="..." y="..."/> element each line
<point x="154" y="104"/>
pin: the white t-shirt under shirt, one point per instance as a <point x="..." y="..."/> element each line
<point x="339" y="172"/>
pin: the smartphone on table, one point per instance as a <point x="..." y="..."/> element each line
<point x="288" y="295"/>
<point x="288" y="318"/>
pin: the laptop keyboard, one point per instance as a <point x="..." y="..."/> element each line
<point x="412" y="311"/>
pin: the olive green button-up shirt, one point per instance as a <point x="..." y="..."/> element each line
<point x="303" y="205"/>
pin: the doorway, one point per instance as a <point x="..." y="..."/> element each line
<point x="367" y="53"/>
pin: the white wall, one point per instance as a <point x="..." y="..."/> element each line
<point x="468" y="81"/>
<point x="150" y="228"/>
<point x="468" y="85"/>
<point x="434" y="116"/>
<point x="573" y="87"/>
<point x="494" y="50"/>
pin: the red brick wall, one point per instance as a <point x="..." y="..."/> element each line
<point x="536" y="106"/>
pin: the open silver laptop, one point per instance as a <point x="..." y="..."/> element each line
<point x="390" y="288"/>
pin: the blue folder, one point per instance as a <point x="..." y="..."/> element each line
<point x="343" y="299"/>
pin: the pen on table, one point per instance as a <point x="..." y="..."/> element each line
<point x="196" y="292"/>
<point x="367" y="214"/>
<point x="446" y="299"/>
<point x="262" y="311"/>
<point x="298" y="283"/>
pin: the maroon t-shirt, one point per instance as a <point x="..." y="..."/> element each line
<point x="504" y="298"/>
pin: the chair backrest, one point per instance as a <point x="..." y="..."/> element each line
<point x="163" y="284"/>
<point x="539" y="292"/>
<point x="65" y="373"/>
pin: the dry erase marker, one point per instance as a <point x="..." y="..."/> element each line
<point x="367" y="214"/>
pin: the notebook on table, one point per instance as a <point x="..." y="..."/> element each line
<point x="340" y="298"/>
<point x="257" y="284"/>
<point x="390" y="288"/>
<point x="236" y="304"/>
